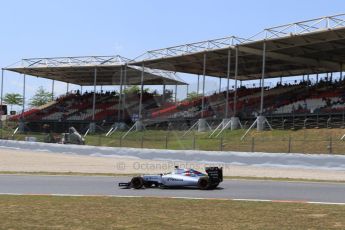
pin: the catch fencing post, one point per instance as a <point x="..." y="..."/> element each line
<point x="289" y="144"/>
<point x="253" y="144"/>
<point x="330" y="145"/>
<point x="166" y="142"/>
<point x="194" y="142"/>
<point x="221" y="144"/>
<point x="99" y="140"/>
<point x="142" y="141"/>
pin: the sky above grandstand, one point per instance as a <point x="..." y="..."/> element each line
<point x="40" y="28"/>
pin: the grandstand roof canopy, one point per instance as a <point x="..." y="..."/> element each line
<point x="307" y="47"/>
<point x="80" y="71"/>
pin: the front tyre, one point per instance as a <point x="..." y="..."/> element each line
<point x="137" y="182"/>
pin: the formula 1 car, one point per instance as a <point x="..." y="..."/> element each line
<point x="179" y="178"/>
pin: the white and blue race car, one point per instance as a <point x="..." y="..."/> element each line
<point x="179" y="178"/>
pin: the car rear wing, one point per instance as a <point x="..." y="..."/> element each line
<point x="215" y="174"/>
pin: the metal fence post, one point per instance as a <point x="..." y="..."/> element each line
<point x="142" y="141"/>
<point x="330" y="145"/>
<point x="99" y="140"/>
<point x="289" y="145"/>
<point x="194" y="142"/>
<point x="221" y="144"/>
<point x="253" y="144"/>
<point x="166" y="142"/>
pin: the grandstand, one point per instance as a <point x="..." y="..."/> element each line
<point x="89" y="110"/>
<point x="303" y="99"/>
<point x="75" y="109"/>
<point x="312" y="49"/>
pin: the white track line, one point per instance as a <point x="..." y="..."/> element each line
<point x="178" y="197"/>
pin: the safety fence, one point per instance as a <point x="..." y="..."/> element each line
<point x="313" y="143"/>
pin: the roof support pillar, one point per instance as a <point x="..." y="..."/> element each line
<point x="1" y="100"/>
<point x="203" y="87"/>
<point x="308" y="78"/>
<point x="81" y="90"/>
<point x="187" y="90"/>
<point x="2" y="85"/>
<point x="21" y="127"/>
<point x="94" y="94"/>
<point x="227" y="85"/>
<point x="24" y="89"/>
<point x="53" y="85"/>
<point x="317" y="78"/>
<point x="67" y="88"/>
<point x="163" y="94"/>
<point x="263" y="78"/>
<point x="124" y="95"/>
<point x="220" y="84"/>
<point x="197" y="88"/>
<point x="120" y="96"/>
<point x="261" y="120"/>
<point x="236" y="75"/>
<point x="176" y="93"/>
<point x="341" y="72"/>
<point x="141" y="92"/>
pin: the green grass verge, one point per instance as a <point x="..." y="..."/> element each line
<point x="44" y="212"/>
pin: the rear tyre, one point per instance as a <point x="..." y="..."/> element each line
<point x="203" y="183"/>
<point x="137" y="182"/>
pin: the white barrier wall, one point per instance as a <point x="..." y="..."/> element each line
<point x="291" y="160"/>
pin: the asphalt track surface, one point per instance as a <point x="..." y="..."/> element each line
<point x="230" y="189"/>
